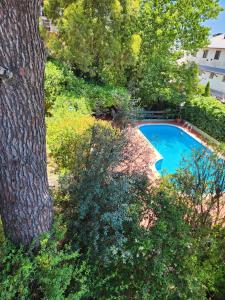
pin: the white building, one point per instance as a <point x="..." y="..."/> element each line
<point x="211" y="62"/>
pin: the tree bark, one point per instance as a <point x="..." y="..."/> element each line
<point x="25" y="202"/>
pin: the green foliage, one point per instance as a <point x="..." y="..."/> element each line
<point x="207" y="90"/>
<point x="157" y="262"/>
<point x="208" y="114"/>
<point x="129" y="261"/>
<point x="168" y="30"/>
<point x="201" y="89"/>
<point x="175" y="83"/>
<point x="121" y="238"/>
<point x="52" y="273"/>
<point x="67" y="131"/>
<point x="99" y="196"/>
<point x="201" y="182"/>
<point x="215" y="262"/>
<point x="104" y="41"/>
<point x="136" y="241"/>
<point x="68" y="102"/>
<point x="63" y="89"/>
<point x="115" y="41"/>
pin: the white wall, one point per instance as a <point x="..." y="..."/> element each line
<point x="216" y="83"/>
<point x="217" y="43"/>
<point x="210" y="61"/>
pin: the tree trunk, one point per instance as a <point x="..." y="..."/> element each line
<point x="25" y="202"/>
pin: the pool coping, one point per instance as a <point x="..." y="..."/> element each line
<point x="195" y="135"/>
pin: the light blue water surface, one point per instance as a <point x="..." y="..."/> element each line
<point x="173" y="144"/>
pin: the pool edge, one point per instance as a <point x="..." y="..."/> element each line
<point x="158" y="155"/>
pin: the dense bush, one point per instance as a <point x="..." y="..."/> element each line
<point x="165" y="81"/>
<point x="100" y="198"/>
<point x="67" y="132"/>
<point x="112" y="40"/>
<point x="68" y="102"/>
<point x="201" y="186"/>
<point x="103" y="47"/>
<point x="208" y="114"/>
<point x="52" y="273"/>
<point x="62" y="87"/>
<point x="157" y="262"/>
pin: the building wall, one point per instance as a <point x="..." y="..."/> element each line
<point x="210" y="61"/>
<point x="216" y="83"/>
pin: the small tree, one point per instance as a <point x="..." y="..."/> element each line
<point x="207" y="90"/>
<point x="201" y="184"/>
<point x="100" y="192"/>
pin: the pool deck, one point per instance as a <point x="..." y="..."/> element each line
<point x="139" y="155"/>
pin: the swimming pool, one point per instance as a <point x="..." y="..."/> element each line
<point x="172" y="143"/>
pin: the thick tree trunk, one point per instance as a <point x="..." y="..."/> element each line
<point x="25" y="203"/>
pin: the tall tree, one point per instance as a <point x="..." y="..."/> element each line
<point x="98" y="38"/>
<point x="25" y="202"/>
<point x="119" y="41"/>
<point x="170" y="29"/>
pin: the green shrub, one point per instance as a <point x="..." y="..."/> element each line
<point x="201" y="89"/>
<point x="208" y="114"/>
<point x="64" y="132"/>
<point x="99" y="199"/>
<point x="201" y="182"/>
<point x="170" y="259"/>
<point x="106" y="97"/>
<point x="167" y="83"/>
<point x="61" y="83"/>
<point x="52" y="273"/>
<point x="55" y="81"/>
<point x="159" y="262"/>
<point x="58" y="80"/>
<point x="68" y="102"/>
<point x="67" y="132"/>
<point x="207" y="90"/>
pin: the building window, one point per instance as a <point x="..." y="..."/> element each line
<point x="223" y="78"/>
<point x="211" y="76"/>
<point x="217" y="55"/>
<point x="205" y="53"/>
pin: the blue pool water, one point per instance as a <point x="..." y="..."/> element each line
<point x="173" y="144"/>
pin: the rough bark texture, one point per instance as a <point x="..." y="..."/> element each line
<point x="25" y="203"/>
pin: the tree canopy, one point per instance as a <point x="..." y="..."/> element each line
<point x="116" y="40"/>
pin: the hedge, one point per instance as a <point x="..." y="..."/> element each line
<point x="208" y="114"/>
